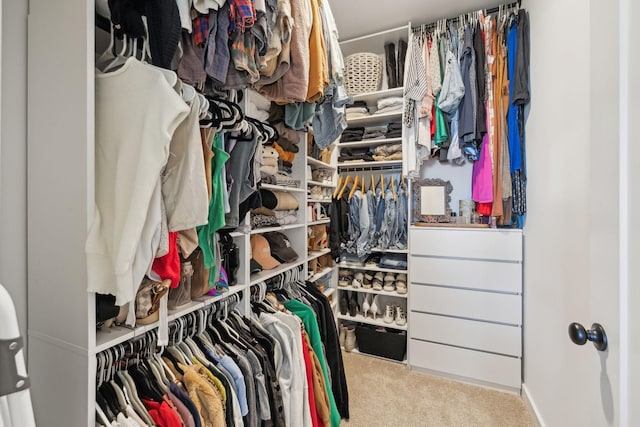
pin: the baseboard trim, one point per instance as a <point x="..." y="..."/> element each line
<point x="532" y="407"/>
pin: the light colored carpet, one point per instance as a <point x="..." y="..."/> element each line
<point x="387" y="394"/>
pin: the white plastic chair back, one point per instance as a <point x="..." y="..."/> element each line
<point x="15" y="398"/>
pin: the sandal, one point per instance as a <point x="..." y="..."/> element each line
<point x="377" y="281"/>
<point x="389" y="282"/>
<point x="367" y="280"/>
<point x="401" y="283"/>
<point x="344" y="279"/>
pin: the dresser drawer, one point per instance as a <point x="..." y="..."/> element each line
<point x="483" y="336"/>
<point x="493" y="307"/>
<point x="487" y="367"/>
<point x="503" y="245"/>
<point x="467" y="273"/>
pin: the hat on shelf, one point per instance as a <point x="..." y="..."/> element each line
<point x="261" y="253"/>
<point x="281" y="247"/>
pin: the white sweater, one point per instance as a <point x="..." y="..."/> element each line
<point x="137" y="112"/>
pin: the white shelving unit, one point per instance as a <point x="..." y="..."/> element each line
<point x="374" y="43"/>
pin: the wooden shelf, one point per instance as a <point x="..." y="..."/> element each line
<point x="279" y="228"/>
<point x="373" y="97"/>
<point x="370" y="321"/>
<point x="382" y="293"/>
<point x="345" y="165"/>
<point x="370" y="142"/>
<point x="319" y="164"/>
<point x="375" y="118"/>
<point x="283" y="188"/>
<point x="321" y="184"/>
<point x="363" y="268"/>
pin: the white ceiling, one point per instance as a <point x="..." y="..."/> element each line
<point x="356" y="18"/>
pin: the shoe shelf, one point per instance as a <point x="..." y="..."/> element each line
<point x="268" y="274"/>
<point x="283" y="188"/>
<point x="320" y="221"/>
<point x="334" y="305"/>
<point x="371" y="268"/>
<point x="280" y="228"/>
<point x="370" y="321"/>
<point x="321" y="184"/>
<point x="317" y="254"/>
<point x="318" y="200"/>
<point x="372" y="97"/>
<point x="375" y="118"/>
<point x="374" y="292"/>
<point x="370" y="142"/>
<point x="319" y="163"/>
<point x="120" y="334"/>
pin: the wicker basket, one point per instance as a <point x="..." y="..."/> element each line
<point x="363" y="73"/>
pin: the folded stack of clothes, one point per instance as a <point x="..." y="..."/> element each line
<point x="392" y="104"/>
<point x="388" y="152"/>
<point x="269" y="167"/>
<point x="352" y="134"/>
<point x="394" y="130"/>
<point x="374" y="132"/>
<point x="354" y="154"/>
<point x="357" y="109"/>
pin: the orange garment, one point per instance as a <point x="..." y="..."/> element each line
<point x="285" y="156"/>
<point x="318" y="65"/>
<point x="319" y="386"/>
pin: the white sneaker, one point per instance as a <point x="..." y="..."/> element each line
<point x="401" y="316"/>
<point x="389" y="314"/>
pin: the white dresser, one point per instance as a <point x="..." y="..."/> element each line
<point x="466" y="305"/>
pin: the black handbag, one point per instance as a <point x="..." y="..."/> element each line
<point x="230" y="257"/>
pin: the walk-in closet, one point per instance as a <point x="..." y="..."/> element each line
<point x="324" y="213"/>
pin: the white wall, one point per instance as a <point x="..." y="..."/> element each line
<point x="13" y="182"/>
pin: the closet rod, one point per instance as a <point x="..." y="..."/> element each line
<point x="347" y="169"/>
<point x="490" y="11"/>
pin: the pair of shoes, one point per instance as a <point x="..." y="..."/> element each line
<point x="395" y="314"/>
<point x="377" y="281"/>
<point x="401" y="283"/>
<point x="357" y="280"/>
<point x="368" y="277"/>
<point x="389" y="282"/>
<point x="354" y="305"/>
<point x="350" y="339"/>
<point x="373" y="306"/>
<point x="392" y="71"/>
<point x="344" y="278"/>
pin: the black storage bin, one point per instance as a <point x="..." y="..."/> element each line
<point x="391" y="343"/>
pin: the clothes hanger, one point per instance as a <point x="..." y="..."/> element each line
<point x="373" y="184"/>
<point x="362" y="186"/>
<point x="348" y="180"/>
<point x="404" y="186"/>
<point x="337" y="190"/>
<point x="355" y="187"/>
<point x="118" y="60"/>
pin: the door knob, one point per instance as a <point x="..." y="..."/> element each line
<point x="596" y="334"/>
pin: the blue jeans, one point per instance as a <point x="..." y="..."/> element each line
<point x="372" y="202"/>
<point x="354" y="222"/>
<point x="380" y="204"/>
<point x="362" y="245"/>
<point x="399" y="240"/>
<point x="389" y="222"/>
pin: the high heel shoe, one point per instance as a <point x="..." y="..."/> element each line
<point x="366" y="305"/>
<point x="354" y="306"/>
<point x="375" y="307"/>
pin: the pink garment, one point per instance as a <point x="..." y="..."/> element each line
<point x="482" y="178"/>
